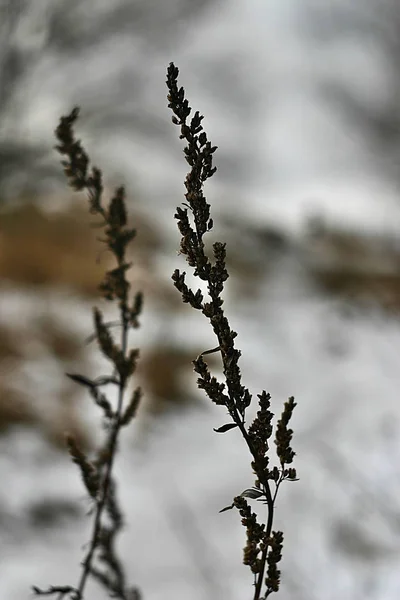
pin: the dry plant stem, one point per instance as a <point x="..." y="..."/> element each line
<point x="87" y="562"/>
<point x="270" y="519"/>
<point x="97" y="474"/>
<point x="263" y="545"/>
<point x="270" y="505"/>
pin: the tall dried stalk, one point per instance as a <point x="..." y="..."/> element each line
<point x="101" y="561"/>
<point x="263" y="549"/>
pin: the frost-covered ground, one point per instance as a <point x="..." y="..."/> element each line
<point x="341" y="520"/>
<point x="284" y="155"/>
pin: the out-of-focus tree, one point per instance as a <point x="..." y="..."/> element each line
<point x="94" y="51"/>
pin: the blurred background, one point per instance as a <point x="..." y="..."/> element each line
<point x="303" y="100"/>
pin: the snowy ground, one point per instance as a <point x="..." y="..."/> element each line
<point x="340" y="520"/>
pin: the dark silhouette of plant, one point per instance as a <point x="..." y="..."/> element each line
<point x="263" y="550"/>
<point x="101" y="561"/>
<point x="264" y="546"/>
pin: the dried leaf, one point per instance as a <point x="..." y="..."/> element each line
<point x="252" y="493"/>
<point x="227" y="508"/>
<point x="81" y="379"/>
<point x="225" y="428"/>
